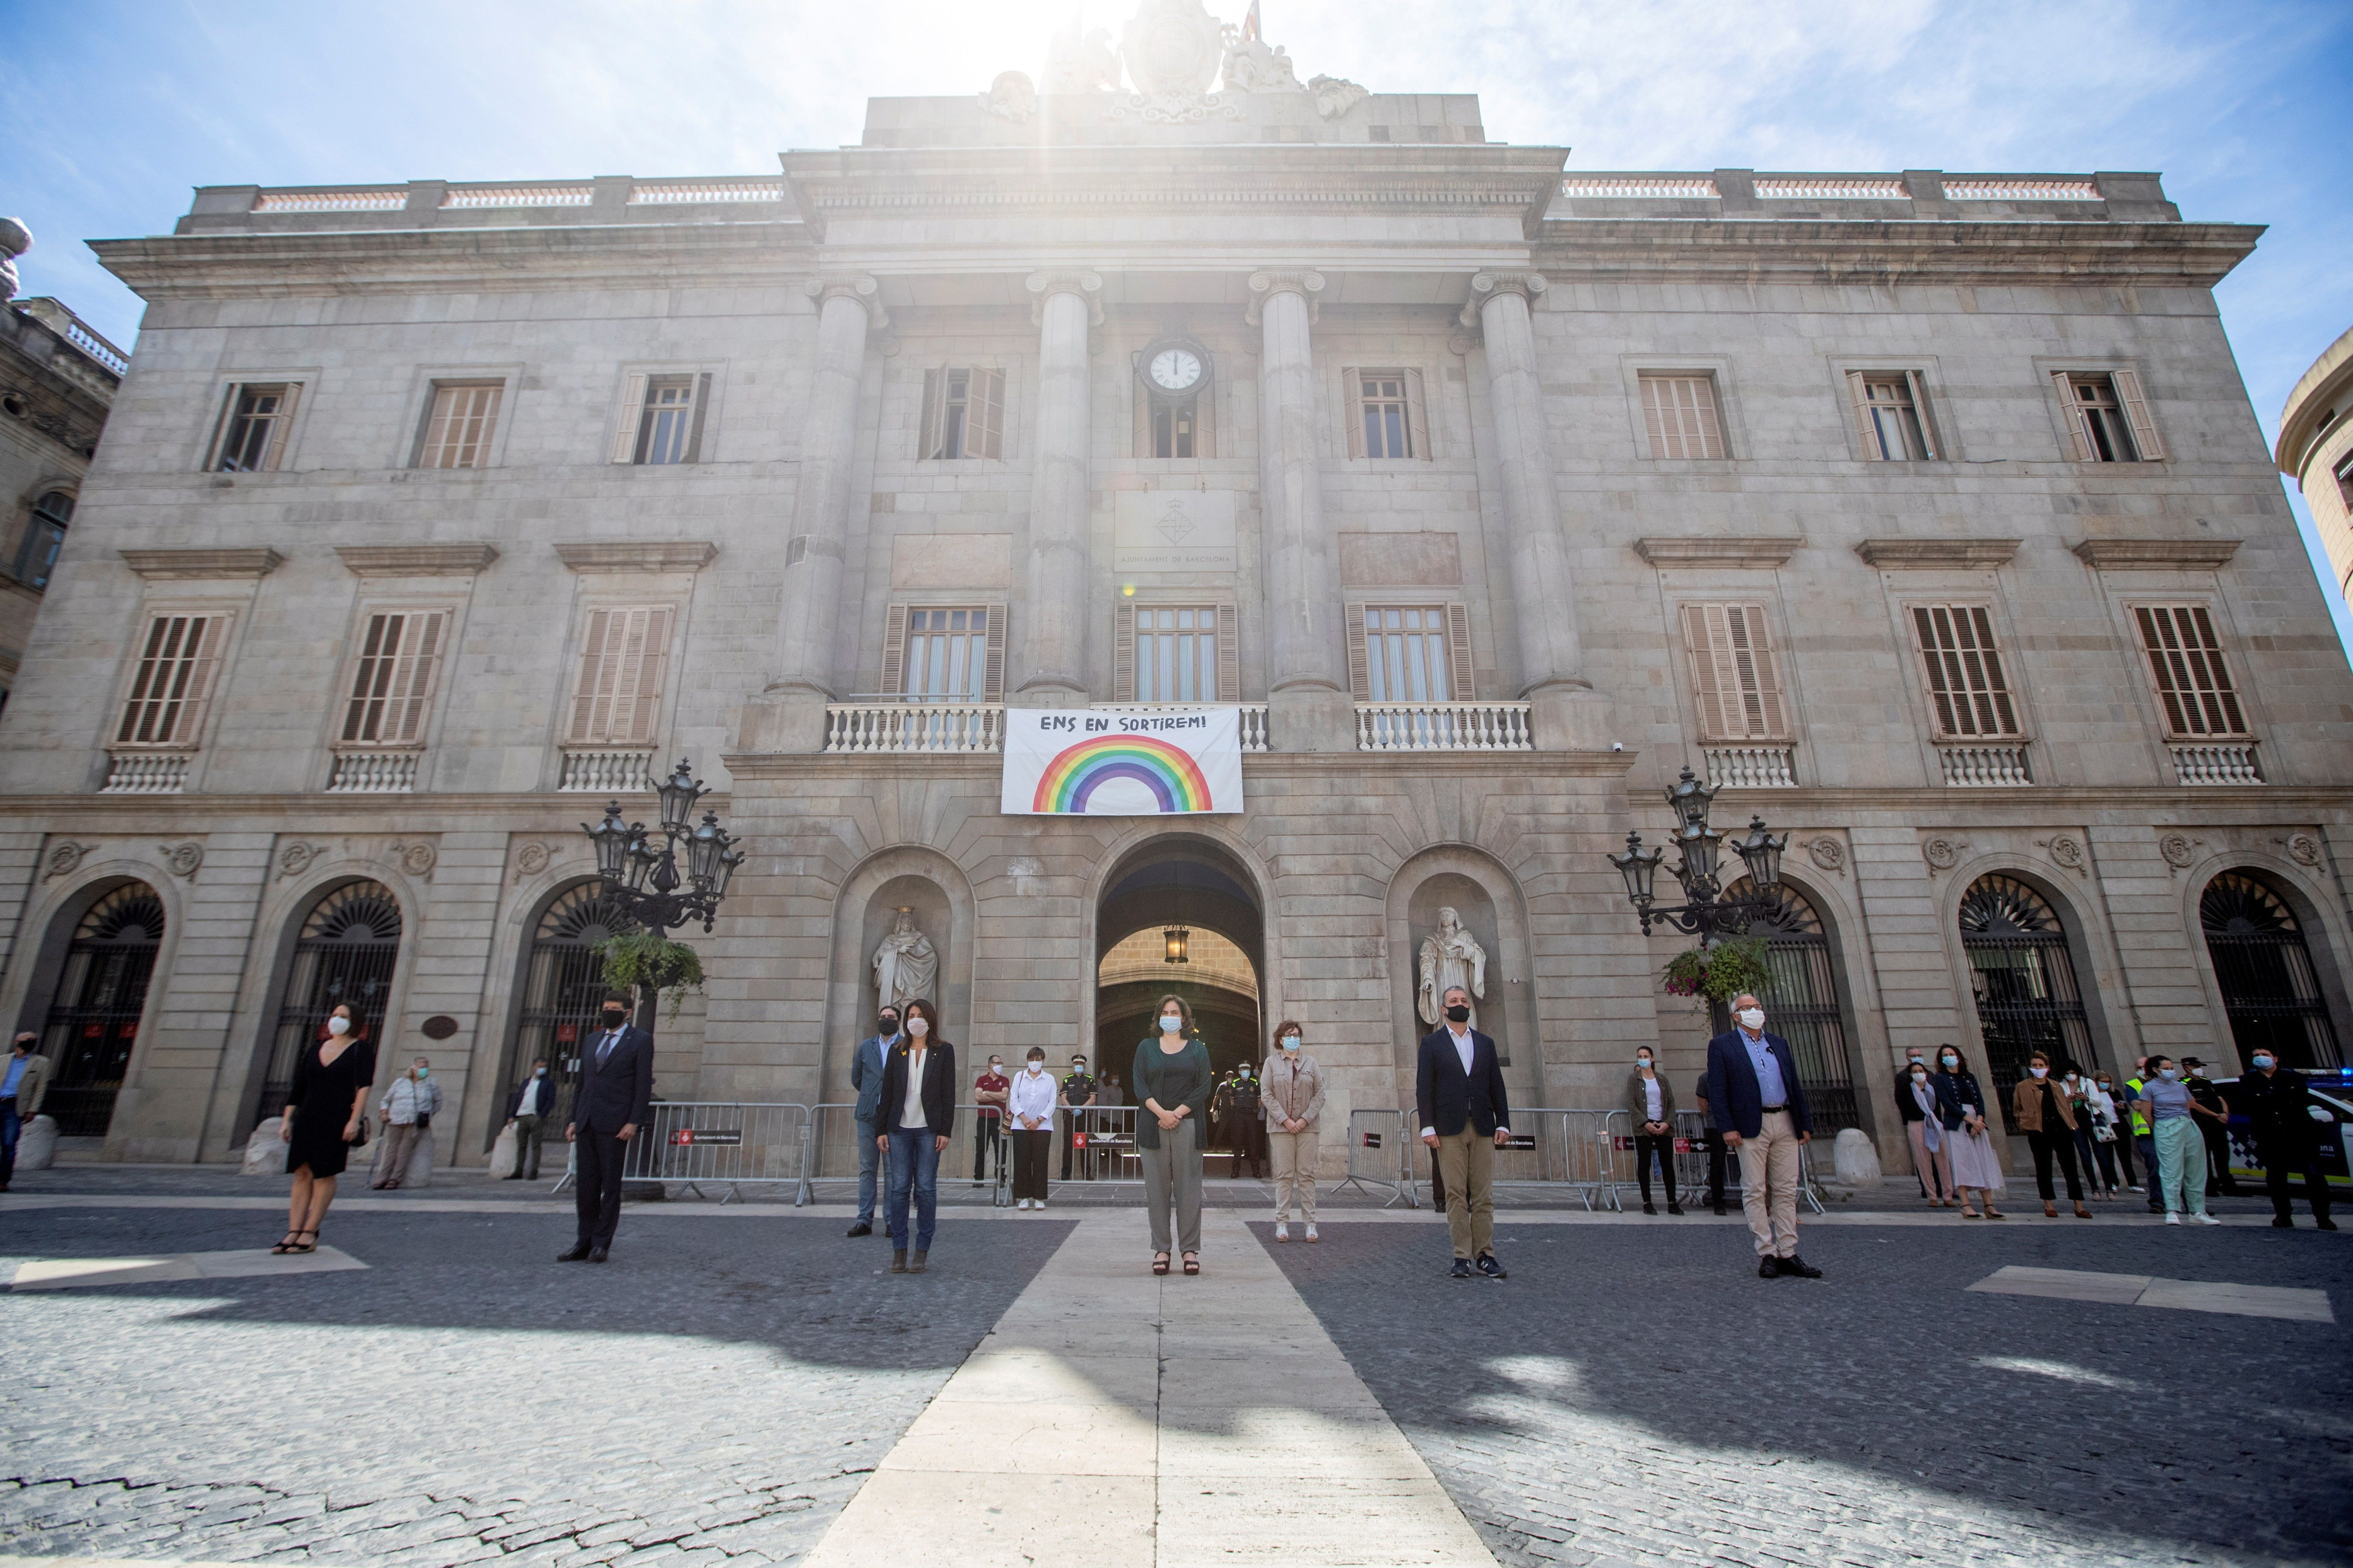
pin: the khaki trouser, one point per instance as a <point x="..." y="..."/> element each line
<point x="1769" y="1186"/>
<point x="1295" y="1171"/>
<point x="1935" y="1168"/>
<point x="1172" y="1178"/>
<point x="399" y="1142"/>
<point x="1466" y="1162"/>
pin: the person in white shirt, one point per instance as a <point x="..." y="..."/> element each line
<point x="1650" y="1103"/>
<point x="1030" y="1104"/>
<point x="409" y="1107"/>
<point x="527" y="1113"/>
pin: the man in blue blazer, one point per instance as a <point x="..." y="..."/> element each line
<point x="615" y="1097"/>
<point x="1465" y="1117"/>
<point x="866" y="1078"/>
<point x="1759" y="1107"/>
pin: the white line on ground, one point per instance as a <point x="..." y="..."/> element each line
<point x="58" y="1273"/>
<point x="2151" y="1290"/>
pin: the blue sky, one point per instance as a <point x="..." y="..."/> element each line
<point x="110" y="111"/>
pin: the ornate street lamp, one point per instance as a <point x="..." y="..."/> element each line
<point x="642" y="878"/>
<point x="1705" y="910"/>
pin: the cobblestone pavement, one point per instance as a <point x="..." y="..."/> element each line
<point x="1631" y="1395"/>
<point x="714" y="1394"/>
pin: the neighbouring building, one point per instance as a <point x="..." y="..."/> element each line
<point x="1923" y="512"/>
<point x="2315" y="450"/>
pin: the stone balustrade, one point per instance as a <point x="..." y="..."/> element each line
<point x="606" y="772"/>
<point x="1751" y="767"/>
<point x="951" y="727"/>
<point x="2230" y="764"/>
<point x="145" y="773"/>
<point x="1973" y="766"/>
<point x="374" y="773"/>
<point x="1443" y="727"/>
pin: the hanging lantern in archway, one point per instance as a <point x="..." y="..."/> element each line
<point x="1176" y="940"/>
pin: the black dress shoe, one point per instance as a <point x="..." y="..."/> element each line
<point x="600" y="1255"/>
<point x="2283" y="1223"/>
<point x="1794" y="1265"/>
<point x="1674" y="1207"/>
<point x="1768" y="1267"/>
<point x="574" y="1254"/>
<point x="1648" y="1207"/>
<point x="1461" y="1269"/>
<point x="2322" y="1222"/>
<point x="1718" y="1207"/>
<point x="860" y="1228"/>
<point x="1491" y="1269"/>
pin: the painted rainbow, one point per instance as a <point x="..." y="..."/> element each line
<point x="1071" y="779"/>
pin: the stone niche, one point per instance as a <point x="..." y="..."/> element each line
<point x="929" y="904"/>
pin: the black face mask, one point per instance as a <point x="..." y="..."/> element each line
<point x="886" y="1026"/>
<point x="613" y="1017"/>
<point x="1457" y="1015"/>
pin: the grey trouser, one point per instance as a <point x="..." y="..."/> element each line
<point x="1173" y="1171"/>
<point x="1295" y="1171"/>
<point x="399" y="1142"/>
<point x="528" y="1133"/>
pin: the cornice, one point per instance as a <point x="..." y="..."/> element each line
<point x="416" y="560"/>
<point x="205" y="566"/>
<point x="2156" y="554"/>
<point x="1937" y="554"/>
<point x="639" y="556"/>
<point x="1754" y="552"/>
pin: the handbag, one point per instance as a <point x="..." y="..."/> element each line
<point x="360" y="1139"/>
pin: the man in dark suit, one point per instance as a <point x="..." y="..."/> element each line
<point x="1465" y="1117"/>
<point x="615" y="1097"/>
<point x="1756" y="1103"/>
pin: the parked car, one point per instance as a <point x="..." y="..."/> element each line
<point x="2331" y="1088"/>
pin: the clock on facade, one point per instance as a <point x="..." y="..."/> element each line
<point x="1174" y="367"/>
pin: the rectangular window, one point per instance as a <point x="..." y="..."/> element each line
<point x="458" y="425"/>
<point x="1965" y="679"/>
<point x="945" y="654"/>
<point x="254" y="429"/>
<point x="2193" y="681"/>
<point x="1893" y="413"/>
<point x="1173" y="429"/>
<point x="2345" y="480"/>
<point x="172" y="682"/>
<point x="1417" y="653"/>
<point x="624" y="659"/>
<point x="964" y="413"/>
<point x="1733" y="675"/>
<point x="1176" y="653"/>
<point x="2108" y="417"/>
<point x="392" y="685"/>
<point x="1387" y="418"/>
<point x="669" y="424"/>
<point x="45" y="536"/>
<point x="1682" y="417"/>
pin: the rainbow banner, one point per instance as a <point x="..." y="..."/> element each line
<point x="1092" y="761"/>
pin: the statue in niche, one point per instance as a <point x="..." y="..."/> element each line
<point x="1451" y="956"/>
<point x="906" y="964"/>
<point x="1075" y="64"/>
<point x="1010" y="97"/>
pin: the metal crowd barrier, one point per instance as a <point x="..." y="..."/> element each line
<point x="719" y="1142"/>
<point x="1108" y="1155"/>
<point x="1381" y="1147"/>
<point x="1562" y="1149"/>
<point x="1691" y="1163"/>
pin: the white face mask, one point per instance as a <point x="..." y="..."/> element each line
<point x="339" y="1026"/>
<point x="1170" y="1025"/>
<point x="919" y="1028"/>
<point x="996" y="1069"/>
<point x="1037" y="1068"/>
<point x="2039" y="1072"/>
<point x="1752" y="1018"/>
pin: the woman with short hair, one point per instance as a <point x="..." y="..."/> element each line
<point x="1030" y="1107"/>
<point x="1290" y="1093"/>
<point x="1173" y="1082"/>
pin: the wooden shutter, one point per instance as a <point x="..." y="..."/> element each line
<point x="1229" y="654"/>
<point x="1935" y="448"/>
<point x="1360" y="677"/>
<point x="392" y="685"/>
<point x="221" y="425"/>
<point x="984" y="418"/>
<point x="1205" y="422"/>
<point x="1351" y="400"/>
<point x="1463" y="684"/>
<point x="1858" y="389"/>
<point x="701" y="407"/>
<point x="2147" y="444"/>
<point x="1140" y="403"/>
<point x="1735" y="683"/>
<point x="1417" y="417"/>
<point x="2193" y="681"/>
<point x="173" y="681"/>
<point x="2079" y="441"/>
<point x="283" y="427"/>
<point x="1654" y="416"/>
<point x="1123" y="654"/>
<point x="632" y="420"/>
<point x="993" y="682"/>
<point x="935" y="392"/>
<point x="894" y="647"/>
<point x="623" y="665"/>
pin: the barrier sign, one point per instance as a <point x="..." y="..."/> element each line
<point x="1372" y="1140"/>
<point x="731" y="1137"/>
<point x="1082" y="761"/>
<point x="1624" y="1141"/>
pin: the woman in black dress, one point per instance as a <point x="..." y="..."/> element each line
<point x="322" y="1118"/>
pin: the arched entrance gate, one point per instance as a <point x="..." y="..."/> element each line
<point x="1178" y="916"/>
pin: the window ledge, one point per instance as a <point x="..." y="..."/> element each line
<point x="145" y="770"/>
<point x="1974" y="764"/>
<point x="2212" y="762"/>
<point x="374" y="770"/>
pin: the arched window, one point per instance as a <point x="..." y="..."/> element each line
<point x="349" y="945"/>
<point x="2024" y="980"/>
<point x="93" y="1020"/>
<point x="1801" y="1001"/>
<point x="45" y="536"/>
<point x="2269" y="990"/>
<point x="563" y="988"/>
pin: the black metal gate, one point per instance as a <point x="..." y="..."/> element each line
<point x="93" y="1021"/>
<point x="2269" y="990"/>
<point x="349" y="946"/>
<point x="1802" y="1006"/>
<point x="2024" y="980"/>
<point x="562" y="992"/>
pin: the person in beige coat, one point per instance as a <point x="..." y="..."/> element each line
<point x="1290" y="1097"/>
<point x="26" y="1081"/>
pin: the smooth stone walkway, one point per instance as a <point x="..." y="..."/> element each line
<point x="2152" y="1291"/>
<point x="1116" y="1418"/>
<point x="59" y="1273"/>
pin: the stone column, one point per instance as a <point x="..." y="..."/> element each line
<point x="1054" y="640"/>
<point x="1567" y="713"/>
<point x="790" y="716"/>
<point x="1309" y="705"/>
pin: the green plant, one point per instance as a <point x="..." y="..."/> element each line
<point x="647" y="959"/>
<point x="1718" y="973"/>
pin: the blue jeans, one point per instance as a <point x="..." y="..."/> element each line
<point x="870" y="1160"/>
<point x="11" y="1127"/>
<point x="914" y="1163"/>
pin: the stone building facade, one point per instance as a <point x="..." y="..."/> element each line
<point x="2315" y="450"/>
<point x="1493" y="495"/>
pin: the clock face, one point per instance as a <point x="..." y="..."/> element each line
<point x="1175" y="370"/>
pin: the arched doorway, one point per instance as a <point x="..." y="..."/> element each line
<point x="94" y="1019"/>
<point x="1179" y="916"/>
<point x="2270" y="992"/>
<point x="564" y="985"/>
<point x="2024" y="980"/>
<point x="347" y="949"/>
<point x="1801" y="998"/>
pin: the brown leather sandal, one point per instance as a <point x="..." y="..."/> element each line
<point x="1160" y="1263"/>
<point x="1192" y="1263"/>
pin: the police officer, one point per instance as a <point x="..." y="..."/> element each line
<point x="2285" y="1121"/>
<point x="1078" y="1092"/>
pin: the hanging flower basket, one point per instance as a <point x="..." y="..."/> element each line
<point x="643" y="959"/>
<point x="1718" y="973"/>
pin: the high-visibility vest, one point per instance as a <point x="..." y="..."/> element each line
<point x="2140" y="1118"/>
